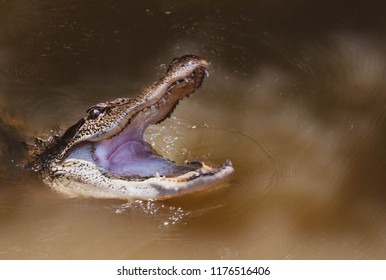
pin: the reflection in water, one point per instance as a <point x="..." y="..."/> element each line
<point x="296" y="99"/>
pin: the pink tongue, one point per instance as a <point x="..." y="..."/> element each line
<point x="135" y="158"/>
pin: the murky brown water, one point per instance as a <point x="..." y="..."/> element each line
<point x="296" y="99"/>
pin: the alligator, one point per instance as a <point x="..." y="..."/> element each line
<point x="105" y="155"/>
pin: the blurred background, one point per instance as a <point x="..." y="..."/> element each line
<point x="295" y="99"/>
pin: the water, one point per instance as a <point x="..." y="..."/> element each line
<point x="296" y="99"/>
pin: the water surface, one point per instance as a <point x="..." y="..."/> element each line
<point x="296" y="99"/>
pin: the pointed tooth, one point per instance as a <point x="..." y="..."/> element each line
<point x="163" y="99"/>
<point x="206" y="72"/>
<point x="207" y="168"/>
<point x="186" y="80"/>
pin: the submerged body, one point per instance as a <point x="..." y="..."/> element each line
<point x="105" y="155"/>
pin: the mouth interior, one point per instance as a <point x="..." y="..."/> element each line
<point x="127" y="154"/>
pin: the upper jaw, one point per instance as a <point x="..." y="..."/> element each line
<point x="127" y="154"/>
<point x="183" y="76"/>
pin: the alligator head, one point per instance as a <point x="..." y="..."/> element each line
<point x="105" y="155"/>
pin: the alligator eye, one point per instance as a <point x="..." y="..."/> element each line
<point x="94" y="113"/>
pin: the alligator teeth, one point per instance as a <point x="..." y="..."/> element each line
<point x="207" y="167"/>
<point x="206" y="72"/>
<point x="163" y="99"/>
<point x="186" y="80"/>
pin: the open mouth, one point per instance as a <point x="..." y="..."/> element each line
<point x="127" y="155"/>
<point x="105" y="155"/>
